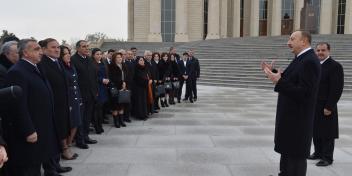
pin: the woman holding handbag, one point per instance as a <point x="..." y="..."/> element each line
<point x="117" y="75"/>
<point x="175" y="72"/>
<point x="164" y="75"/>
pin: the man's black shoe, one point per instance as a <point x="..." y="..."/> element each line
<point x="313" y="157"/>
<point x="82" y="146"/>
<point x="90" y="141"/>
<point x="63" y="169"/>
<point x="128" y="120"/>
<point x="191" y="101"/>
<point x="323" y="163"/>
<point x="178" y="101"/>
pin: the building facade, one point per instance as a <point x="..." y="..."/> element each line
<point x="192" y="20"/>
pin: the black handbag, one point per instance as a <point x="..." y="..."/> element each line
<point x="168" y="85"/>
<point x="160" y="90"/>
<point x="176" y="84"/>
<point x="124" y="97"/>
<point x="113" y="91"/>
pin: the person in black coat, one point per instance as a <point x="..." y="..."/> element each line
<point x="157" y="81"/>
<point x="74" y="95"/>
<point x="141" y="81"/>
<point x="8" y="57"/>
<point x="298" y="88"/>
<point x="29" y="124"/>
<point x="56" y="76"/>
<point x="175" y="73"/>
<point x="130" y="66"/>
<point x="196" y="76"/>
<point x="153" y="71"/>
<point x="326" y="128"/>
<point x="118" y="73"/>
<point x="165" y="77"/>
<point x="103" y="81"/>
<point x="88" y="85"/>
<point x="183" y="75"/>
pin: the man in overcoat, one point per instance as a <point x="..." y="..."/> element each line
<point x="297" y="87"/>
<point x="326" y="128"/>
<point x="28" y="125"/>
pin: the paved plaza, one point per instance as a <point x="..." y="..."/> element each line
<point x="227" y="132"/>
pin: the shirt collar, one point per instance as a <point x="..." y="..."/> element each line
<point x="54" y="60"/>
<point x="302" y="52"/>
<point x="321" y="62"/>
<point x="35" y="65"/>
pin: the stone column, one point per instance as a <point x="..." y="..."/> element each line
<point x="181" y="32"/>
<point x="348" y="18"/>
<point x="236" y="18"/>
<point x="274" y="17"/>
<point x="130" y="20"/>
<point x="298" y="5"/>
<point x="223" y="18"/>
<point x="254" y="18"/>
<point x="326" y="16"/>
<point x="213" y="19"/>
<point x="154" y="21"/>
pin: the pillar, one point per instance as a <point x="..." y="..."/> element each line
<point x="154" y="21"/>
<point x="181" y="31"/>
<point x="213" y="19"/>
<point x="274" y="17"/>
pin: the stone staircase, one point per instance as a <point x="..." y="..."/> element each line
<point x="235" y="62"/>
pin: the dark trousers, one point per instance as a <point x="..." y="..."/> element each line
<point x="30" y="170"/>
<point x="324" y="148"/>
<point x="83" y="130"/>
<point x="189" y="89"/>
<point x="51" y="166"/>
<point x="290" y="166"/>
<point x="98" y="116"/>
<point x="194" y="87"/>
<point x="179" y="93"/>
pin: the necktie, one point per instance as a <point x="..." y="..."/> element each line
<point x="57" y="64"/>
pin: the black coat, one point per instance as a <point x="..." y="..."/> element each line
<point x="140" y="91"/>
<point x="164" y="69"/>
<point x="58" y="81"/>
<point x="33" y="112"/>
<point x="298" y="89"/>
<point x="5" y="65"/>
<point x="87" y="76"/>
<point x="153" y="70"/>
<point x="115" y="75"/>
<point x="195" y="61"/>
<point x="330" y="90"/>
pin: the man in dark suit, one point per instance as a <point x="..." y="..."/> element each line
<point x="297" y="87"/>
<point x="326" y="128"/>
<point x="195" y="62"/>
<point x="183" y="65"/>
<point x="154" y="75"/>
<point x="57" y="79"/>
<point x="88" y="85"/>
<point x="28" y="125"/>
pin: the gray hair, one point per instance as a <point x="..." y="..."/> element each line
<point x="146" y="52"/>
<point x="23" y="44"/>
<point x="6" y="47"/>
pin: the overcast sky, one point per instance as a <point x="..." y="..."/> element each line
<point x="68" y="20"/>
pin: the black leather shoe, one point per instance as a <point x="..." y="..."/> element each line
<point x="90" y="141"/>
<point x="323" y="163"/>
<point x="82" y="146"/>
<point x="128" y="120"/>
<point x="63" y="169"/>
<point x="178" y="101"/>
<point x="313" y="157"/>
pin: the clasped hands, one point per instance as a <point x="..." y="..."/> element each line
<point x="268" y="70"/>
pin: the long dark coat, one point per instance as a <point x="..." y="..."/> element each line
<point x="140" y="91"/>
<point x="297" y="88"/>
<point x="330" y="90"/>
<point x="58" y="81"/>
<point x="87" y="77"/>
<point x="33" y="112"/>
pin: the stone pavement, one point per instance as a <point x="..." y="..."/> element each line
<point x="227" y="132"/>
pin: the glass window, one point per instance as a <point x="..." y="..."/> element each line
<point x="205" y="17"/>
<point x="287" y="9"/>
<point x="341" y="17"/>
<point x="168" y="20"/>
<point x="263" y="9"/>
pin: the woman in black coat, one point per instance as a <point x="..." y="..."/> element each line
<point x="102" y="97"/>
<point x="164" y="75"/>
<point x="74" y="98"/>
<point x="117" y="74"/>
<point x="141" y="81"/>
<point x="175" y="73"/>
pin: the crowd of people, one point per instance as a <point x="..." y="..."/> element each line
<point x="66" y="96"/>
